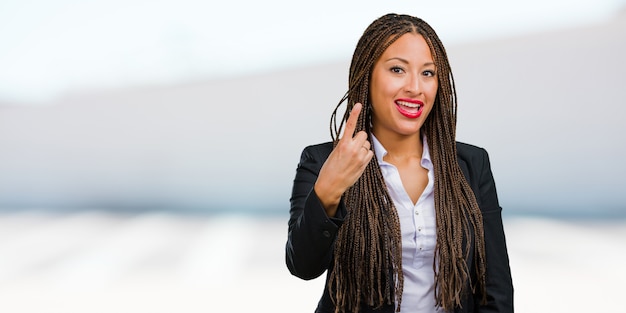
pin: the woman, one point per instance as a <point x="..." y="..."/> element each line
<point x="401" y="216"/>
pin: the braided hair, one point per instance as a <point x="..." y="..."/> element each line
<point x="368" y="249"/>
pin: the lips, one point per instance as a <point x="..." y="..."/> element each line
<point x="409" y="107"/>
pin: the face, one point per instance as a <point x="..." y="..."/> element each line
<point x="403" y="87"/>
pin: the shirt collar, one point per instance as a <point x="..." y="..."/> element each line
<point x="381" y="152"/>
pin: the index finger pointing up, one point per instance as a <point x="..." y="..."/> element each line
<point x="351" y="123"/>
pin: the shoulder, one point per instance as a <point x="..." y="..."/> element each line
<point x="473" y="161"/>
<point x="313" y="157"/>
<point x="470" y="153"/>
<point x="318" y="151"/>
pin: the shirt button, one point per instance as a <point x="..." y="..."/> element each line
<point x="326" y="233"/>
<point x="417" y="213"/>
<point x="419" y="229"/>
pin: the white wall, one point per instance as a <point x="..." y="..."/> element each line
<point x="547" y="106"/>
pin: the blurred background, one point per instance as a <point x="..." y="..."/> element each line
<point x="147" y="148"/>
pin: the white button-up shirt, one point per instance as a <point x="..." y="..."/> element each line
<point x="419" y="235"/>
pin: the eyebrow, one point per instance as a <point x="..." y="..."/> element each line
<point x="406" y="62"/>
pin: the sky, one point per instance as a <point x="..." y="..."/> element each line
<point x="49" y="48"/>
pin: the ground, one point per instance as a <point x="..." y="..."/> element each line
<point x="158" y="262"/>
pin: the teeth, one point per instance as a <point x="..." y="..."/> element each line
<point x="408" y="104"/>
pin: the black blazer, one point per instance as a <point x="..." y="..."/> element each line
<point x="309" y="249"/>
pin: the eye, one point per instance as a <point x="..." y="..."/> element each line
<point x="428" y="73"/>
<point x="397" y="70"/>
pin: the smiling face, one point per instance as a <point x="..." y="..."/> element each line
<point x="403" y="87"/>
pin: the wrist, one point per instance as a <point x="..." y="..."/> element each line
<point x="328" y="197"/>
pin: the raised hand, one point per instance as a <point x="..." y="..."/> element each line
<point x="344" y="165"/>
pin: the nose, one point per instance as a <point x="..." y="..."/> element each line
<point x="413" y="84"/>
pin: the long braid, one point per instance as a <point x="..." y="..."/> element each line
<point x="458" y="215"/>
<point x="368" y="249"/>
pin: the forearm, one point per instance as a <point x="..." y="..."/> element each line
<point x="499" y="283"/>
<point x="310" y="241"/>
<point x="311" y="232"/>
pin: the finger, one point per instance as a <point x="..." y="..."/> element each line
<point x="360" y="138"/>
<point x="367" y="145"/>
<point x="366" y="160"/>
<point x="351" y="123"/>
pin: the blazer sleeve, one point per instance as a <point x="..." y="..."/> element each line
<point x="311" y="233"/>
<point x="499" y="283"/>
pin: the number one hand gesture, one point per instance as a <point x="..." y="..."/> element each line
<point x="344" y="165"/>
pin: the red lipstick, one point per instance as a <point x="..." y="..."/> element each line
<point x="409" y="107"/>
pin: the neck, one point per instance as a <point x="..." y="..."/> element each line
<point x="400" y="146"/>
